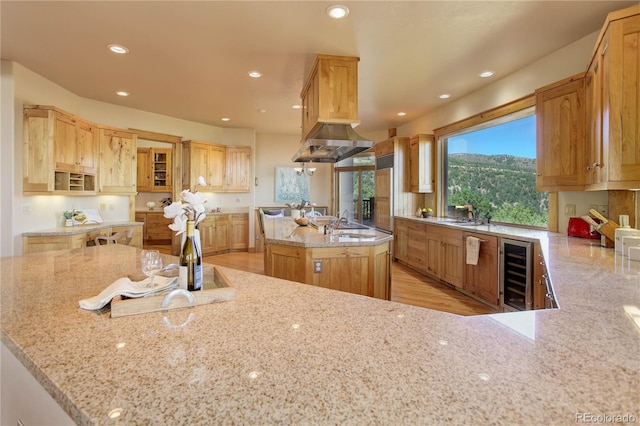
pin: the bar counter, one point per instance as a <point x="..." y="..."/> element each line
<point x="290" y="353"/>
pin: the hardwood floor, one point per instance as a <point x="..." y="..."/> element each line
<point x="407" y="286"/>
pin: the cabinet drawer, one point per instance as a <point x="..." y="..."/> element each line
<point x="157" y="220"/>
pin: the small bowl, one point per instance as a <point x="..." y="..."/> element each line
<point x="302" y="221"/>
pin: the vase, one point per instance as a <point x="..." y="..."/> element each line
<point x="68" y="222"/>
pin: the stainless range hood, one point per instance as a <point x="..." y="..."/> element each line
<point x="330" y="143"/>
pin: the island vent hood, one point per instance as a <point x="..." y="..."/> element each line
<point x="330" y="143"/>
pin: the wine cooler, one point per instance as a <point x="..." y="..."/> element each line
<point x="516" y="269"/>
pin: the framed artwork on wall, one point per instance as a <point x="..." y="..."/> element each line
<point x="290" y="187"/>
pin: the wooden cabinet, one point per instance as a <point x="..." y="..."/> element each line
<point x="330" y="94"/>
<point x="78" y="239"/>
<point x="239" y="231"/>
<point x="613" y="93"/>
<point x="560" y="135"/>
<point x="143" y="170"/>
<point x="421" y="163"/>
<point x="238" y="168"/>
<point x="156" y="227"/>
<point x="481" y="280"/>
<point x="203" y="159"/>
<point x="214" y="234"/>
<point x="118" y="165"/>
<point x="59" y="152"/>
<point x="417" y="246"/>
<point x="539" y="276"/>
<point x="224" y="168"/>
<point x="401" y="240"/>
<point x="360" y="270"/>
<point x="154" y="170"/>
<point x="445" y="254"/>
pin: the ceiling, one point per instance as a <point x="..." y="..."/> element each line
<point x="190" y="59"/>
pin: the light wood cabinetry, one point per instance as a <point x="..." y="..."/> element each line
<point x="613" y="98"/>
<point x="330" y="94"/>
<point x="360" y="270"/>
<point x="539" y="276"/>
<point x="401" y="240"/>
<point x="79" y="239"/>
<point x="154" y="170"/>
<point x="156" y="227"/>
<point x="481" y="280"/>
<point x="238" y="168"/>
<point x="118" y="165"/>
<point x="417" y="246"/>
<point x="224" y="168"/>
<point x="445" y="254"/>
<point x="214" y="234"/>
<point x="421" y="163"/>
<point x="59" y="152"/>
<point x="143" y="170"/>
<point x="239" y="234"/>
<point x="560" y="138"/>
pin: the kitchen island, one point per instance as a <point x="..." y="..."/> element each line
<point x="353" y="260"/>
<point x="289" y="353"/>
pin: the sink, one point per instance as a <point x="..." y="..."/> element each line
<point x="351" y="225"/>
<point x="326" y="220"/>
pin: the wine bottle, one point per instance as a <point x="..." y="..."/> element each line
<point x="190" y="275"/>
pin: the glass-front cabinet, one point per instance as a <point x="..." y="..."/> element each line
<point x="154" y="170"/>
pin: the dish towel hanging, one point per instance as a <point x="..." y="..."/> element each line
<point x="473" y="250"/>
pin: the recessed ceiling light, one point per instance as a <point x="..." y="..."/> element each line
<point x="296" y="106"/>
<point x="255" y="74"/>
<point x="116" y="48"/>
<point x="337" y="11"/>
<point x="122" y="93"/>
<point x="402" y="114"/>
<point x="444" y="96"/>
<point x="225" y="119"/>
<point x="485" y="74"/>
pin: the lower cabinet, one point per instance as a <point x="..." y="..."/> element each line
<point x="214" y="234"/>
<point x="481" y="280"/>
<point x="444" y="254"/>
<point x="363" y="270"/>
<point x="156" y="227"/>
<point x="239" y="238"/>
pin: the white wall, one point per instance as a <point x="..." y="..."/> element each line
<point x="570" y="60"/>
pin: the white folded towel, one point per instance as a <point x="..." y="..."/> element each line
<point x="473" y="250"/>
<point x="126" y="287"/>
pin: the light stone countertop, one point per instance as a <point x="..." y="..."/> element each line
<point x="284" y="231"/>
<point x="79" y="229"/>
<point x="290" y="353"/>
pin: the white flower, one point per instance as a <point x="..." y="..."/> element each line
<point x="191" y="203"/>
<point x="201" y="181"/>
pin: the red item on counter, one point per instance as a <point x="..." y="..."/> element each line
<point x="579" y="228"/>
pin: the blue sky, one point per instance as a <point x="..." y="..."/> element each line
<point x="516" y="137"/>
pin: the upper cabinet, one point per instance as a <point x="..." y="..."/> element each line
<point x="613" y="98"/>
<point x="224" y="168"/>
<point x="60" y="152"/>
<point x="421" y="163"/>
<point x="589" y="126"/>
<point x="154" y="170"/>
<point x="330" y="94"/>
<point x="117" y="161"/>
<point x="560" y="141"/>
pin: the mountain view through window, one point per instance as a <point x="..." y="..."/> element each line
<point x="494" y="169"/>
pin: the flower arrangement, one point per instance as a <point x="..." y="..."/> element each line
<point x="151" y="205"/>
<point x="296" y="206"/>
<point x="190" y="203"/>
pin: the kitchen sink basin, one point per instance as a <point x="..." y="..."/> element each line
<point x="326" y="220"/>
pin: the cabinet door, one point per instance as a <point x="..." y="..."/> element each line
<point x="216" y="168"/>
<point x="452" y="257"/>
<point x="144" y="170"/>
<point x="383" y="199"/>
<point x="401" y="242"/>
<point x="560" y="140"/>
<point x="38" y="162"/>
<point x="207" y="229"/>
<point x="594" y="110"/>
<point x="417" y="251"/>
<point x="158" y="231"/>
<point x="309" y="102"/>
<point x="435" y="244"/>
<point x="221" y="233"/>
<point x="239" y="232"/>
<point x="118" y="165"/>
<point x="142" y="217"/>
<point x="238" y="168"/>
<point x="421" y="164"/>
<point x="481" y="280"/>
<point x="161" y="167"/>
<point x="64" y="143"/>
<point x="86" y="147"/>
<point x="624" y="100"/>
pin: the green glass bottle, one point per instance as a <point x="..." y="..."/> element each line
<point x="190" y="276"/>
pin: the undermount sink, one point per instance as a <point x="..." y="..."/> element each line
<point x="327" y="220"/>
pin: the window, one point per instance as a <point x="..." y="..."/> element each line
<point x="492" y="166"/>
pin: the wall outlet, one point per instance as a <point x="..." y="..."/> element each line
<point x="317" y="266"/>
<point x="604" y="210"/>
<point x="103" y="206"/>
<point x="570" y="209"/>
<point x="238" y="199"/>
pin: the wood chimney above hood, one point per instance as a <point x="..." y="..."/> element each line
<point x="330" y="105"/>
